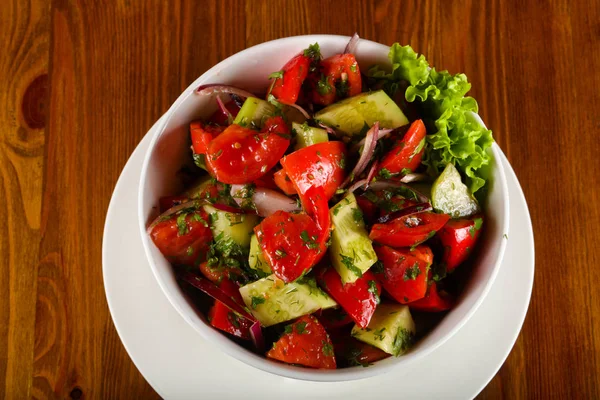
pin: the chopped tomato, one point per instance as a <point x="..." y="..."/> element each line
<point x="352" y="352"/>
<point x="167" y="202"/>
<point x="368" y="208"/>
<point x="287" y="86"/>
<point x="241" y="155"/>
<point x="184" y="238"/>
<point x="409" y="230"/>
<point x="220" y="118"/>
<point x="423" y="253"/>
<point x="305" y="342"/>
<point x="266" y="181"/>
<point x="318" y="165"/>
<point x="284" y="183"/>
<point x="406" y="155"/>
<point x="315" y="205"/>
<point x="224" y="277"/>
<point x="339" y="78"/>
<point x="458" y="237"/>
<point x="393" y="204"/>
<point x="334" y="318"/>
<point x="404" y="275"/>
<point x="290" y="243"/>
<point x="434" y="301"/>
<point x="221" y="317"/>
<point x="359" y="299"/>
<point x="202" y="135"/>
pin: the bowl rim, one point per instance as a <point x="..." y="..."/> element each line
<point x="234" y="350"/>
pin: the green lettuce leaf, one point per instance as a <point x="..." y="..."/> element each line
<point x="459" y="138"/>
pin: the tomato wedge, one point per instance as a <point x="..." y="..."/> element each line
<point x="240" y="155"/>
<point x="184" y="238"/>
<point x="359" y="299"/>
<point x="202" y="135"/>
<point x="404" y="274"/>
<point x="290" y="243"/>
<point x="406" y="155"/>
<point x="352" y="352"/>
<point x="458" y="237"/>
<point x="284" y="183"/>
<point x="224" y="277"/>
<point x="333" y="318"/>
<point x="289" y="82"/>
<point x="266" y="181"/>
<point x="409" y="230"/>
<point x="434" y="301"/>
<point x="318" y="165"/>
<point x="305" y="342"/>
<point x="222" y="318"/>
<point x="340" y="78"/>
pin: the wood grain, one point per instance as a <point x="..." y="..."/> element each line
<point x="83" y="81"/>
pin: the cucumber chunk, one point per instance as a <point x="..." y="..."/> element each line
<point x="450" y="196"/>
<point x="255" y="111"/>
<point x="256" y="260"/>
<point x="308" y="135"/>
<point x="391" y="329"/>
<point x="351" y="250"/>
<point x="237" y="227"/>
<point x="272" y="301"/>
<point x="350" y="115"/>
<point x="194" y="191"/>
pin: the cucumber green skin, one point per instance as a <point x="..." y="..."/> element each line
<point x="256" y="260"/>
<point x="391" y="329"/>
<point x="451" y="196"/>
<point x="240" y="233"/>
<point x="255" y="111"/>
<point x="350" y="238"/>
<point x="307" y="136"/>
<point x="283" y="301"/>
<point x="349" y="115"/>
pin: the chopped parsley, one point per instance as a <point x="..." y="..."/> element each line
<point x="199" y="161"/>
<point x="289" y="329"/>
<point x="439" y="271"/>
<point x="378" y="267"/>
<point x="411" y="273"/>
<point x="256" y="301"/>
<point x="234" y="319"/>
<point x="327" y="349"/>
<point x="300" y="327"/>
<point x="357" y="215"/>
<point x="385" y="173"/>
<point x="402" y="342"/>
<point x="216" y="155"/>
<point x="505" y="236"/>
<point x="276" y="75"/>
<point x="280" y="253"/>
<point x="373" y="290"/>
<point x="475" y="227"/>
<point x="406" y="171"/>
<point x="182" y="227"/>
<point x="341" y="162"/>
<point x="313" y="51"/>
<point x="349" y="263"/>
<point x="310" y="242"/>
<point x="379" y="334"/>
<point x="323" y="86"/>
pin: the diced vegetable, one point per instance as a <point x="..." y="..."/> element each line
<point x="254" y="112"/>
<point x="350" y="115"/>
<point x="409" y="230"/>
<point x="458" y="237"/>
<point x="405" y="156"/>
<point x="351" y="352"/>
<point x="221" y="317"/>
<point x="450" y="196"/>
<point x="351" y="250"/>
<point x="231" y="226"/>
<point x="272" y="301"/>
<point x="308" y="135"/>
<point x="434" y="301"/>
<point x="256" y="260"/>
<point x="284" y="183"/>
<point x="391" y="329"/>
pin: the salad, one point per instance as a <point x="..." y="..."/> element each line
<point x="331" y="219"/>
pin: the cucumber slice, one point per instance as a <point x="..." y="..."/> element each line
<point x="391" y="329"/>
<point x="255" y="111"/>
<point x="237" y="227"/>
<point x="272" y="301"/>
<point x="351" y="250"/>
<point x="256" y="260"/>
<point x="450" y="196"/>
<point x="198" y="187"/>
<point x="307" y="135"/>
<point x="351" y="114"/>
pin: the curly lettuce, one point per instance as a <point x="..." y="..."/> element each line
<point x="441" y="98"/>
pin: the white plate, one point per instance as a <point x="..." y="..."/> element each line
<point x="179" y="364"/>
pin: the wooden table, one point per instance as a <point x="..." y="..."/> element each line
<point x="82" y="81"/>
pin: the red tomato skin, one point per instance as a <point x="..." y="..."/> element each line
<point x="398" y="233"/>
<point x="202" y="135"/>
<point x="223" y="277"/>
<point x="307" y="348"/>
<point x="316" y="165"/>
<point x="434" y="301"/>
<point x="458" y="237"/>
<point x="222" y="318"/>
<point x="403" y="155"/>
<point x="288" y="254"/>
<point x="355" y="297"/>
<point x="354" y="352"/>
<point x="397" y="278"/>
<point x="266" y="181"/>
<point x="368" y="208"/>
<point x="286" y="89"/>
<point x="332" y="69"/>
<point x="176" y="247"/>
<point x="333" y="318"/>
<point x="240" y="155"/>
<point x="284" y="183"/>
<point x="220" y="118"/>
<point x="167" y="202"/>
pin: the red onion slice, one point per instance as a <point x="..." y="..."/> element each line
<point x="297" y="107"/>
<point x="417" y="208"/>
<point x="386" y="184"/>
<point x="216" y="293"/>
<point x="351" y="46"/>
<point x="224" y="110"/>
<point x="220" y="88"/>
<point x="414" y="177"/>
<point x="228" y="208"/>
<point x="371" y="173"/>
<point x="175" y="209"/>
<point x="257" y="337"/>
<point x="329" y="130"/>
<point x="357" y="184"/>
<point x="266" y="201"/>
<point x="366" y="155"/>
<point x="381" y="134"/>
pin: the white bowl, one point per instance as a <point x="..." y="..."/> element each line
<point x="169" y="147"/>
